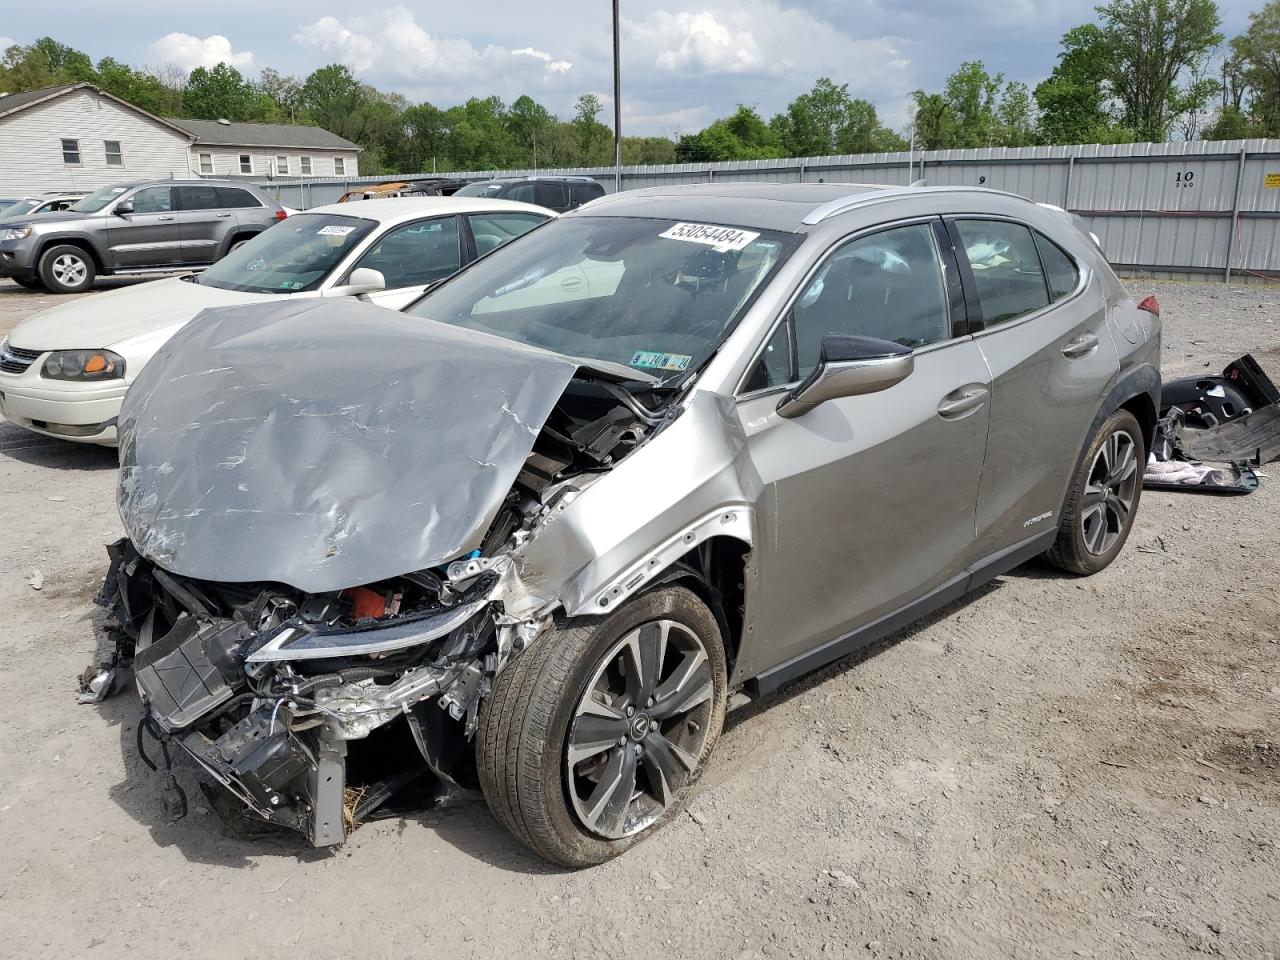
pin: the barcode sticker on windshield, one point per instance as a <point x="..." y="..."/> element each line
<point x="723" y="239"/>
<point x="333" y="230"/>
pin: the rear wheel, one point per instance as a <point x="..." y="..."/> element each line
<point x="67" y="269"/>
<point x="594" y="737"/>
<point x="1104" y="498"/>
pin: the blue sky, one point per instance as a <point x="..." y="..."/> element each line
<point x="684" y="62"/>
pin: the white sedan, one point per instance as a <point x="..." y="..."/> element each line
<point x="64" y="371"/>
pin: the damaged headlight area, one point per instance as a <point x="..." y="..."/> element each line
<point x="317" y="710"/>
<point x="314" y="711"/>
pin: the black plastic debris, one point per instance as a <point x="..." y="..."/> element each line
<point x="1213" y="430"/>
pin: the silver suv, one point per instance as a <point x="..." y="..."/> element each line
<point x="531" y="537"/>
<point x="152" y="226"/>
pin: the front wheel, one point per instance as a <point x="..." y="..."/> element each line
<point x="28" y="284"/>
<point x="594" y="737"/>
<point x="67" y="269"/>
<point x="1104" y="496"/>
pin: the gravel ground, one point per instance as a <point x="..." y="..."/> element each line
<point x="1051" y="768"/>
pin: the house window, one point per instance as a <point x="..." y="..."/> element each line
<point x="246" y="163"/>
<point x="206" y="163"/>
<point x="282" y="166"/>
<point x="306" y="166"/>
<point x="115" y="157"/>
<point x="70" y="151"/>
<point x="339" y="166"/>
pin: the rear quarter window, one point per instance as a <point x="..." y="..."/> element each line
<point x="1059" y="269"/>
<point x="235" y="198"/>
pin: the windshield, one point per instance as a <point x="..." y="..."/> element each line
<point x="654" y="295"/>
<point x="18" y="209"/>
<point x="292" y="256"/>
<point x="97" y="200"/>
<point x="486" y="188"/>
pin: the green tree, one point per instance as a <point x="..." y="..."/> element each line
<point x="827" y="120"/>
<point x="1073" y="100"/>
<point x="280" y="97"/>
<point x="142" y="89"/>
<point x="1016" y="116"/>
<point x="1256" y="54"/>
<point x="594" y="138"/>
<point x="1151" y="45"/>
<point x="217" y="93"/>
<point x="44" y="63"/>
<point x="529" y="125"/>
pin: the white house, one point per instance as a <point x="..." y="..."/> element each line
<point x="224" y="149"/>
<point x="77" y="137"/>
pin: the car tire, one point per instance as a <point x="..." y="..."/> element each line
<point x="28" y="284"/>
<point x="548" y="727"/>
<point x="1103" y="499"/>
<point x="67" y="269"/>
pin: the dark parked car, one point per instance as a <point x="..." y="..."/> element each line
<point x="141" y="227"/>
<point x="554" y="193"/>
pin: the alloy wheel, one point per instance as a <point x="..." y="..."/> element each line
<point x="69" y="270"/>
<point x="638" y="732"/>
<point x="1109" y="493"/>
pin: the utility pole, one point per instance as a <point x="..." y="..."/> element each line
<point x="617" y="105"/>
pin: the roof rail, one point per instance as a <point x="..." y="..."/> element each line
<point x="839" y="205"/>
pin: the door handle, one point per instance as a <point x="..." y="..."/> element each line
<point x="960" y="403"/>
<point x="223" y="216"/>
<point x="164" y="218"/>
<point x="1081" y="346"/>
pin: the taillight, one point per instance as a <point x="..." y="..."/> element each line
<point x="1151" y="305"/>
<point x="281" y="214"/>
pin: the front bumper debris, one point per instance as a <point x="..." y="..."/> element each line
<point x="310" y="721"/>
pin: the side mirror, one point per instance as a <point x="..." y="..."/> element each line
<point x="362" y="280"/>
<point x="123" y="207"/>
<point x="848" y="367"/>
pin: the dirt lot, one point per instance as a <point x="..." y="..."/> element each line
<point x="1052" y="768"/>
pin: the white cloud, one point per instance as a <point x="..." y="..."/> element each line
<point x="763" y="38"/>
<point x="6" y="43"/>
<point x="188" y="52"/>
<point x="701" y="42"/>
<point x="390" y="43"/>
<point x="555" y="66"/>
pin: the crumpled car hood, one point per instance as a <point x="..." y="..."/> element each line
<point x="325" y="444"/>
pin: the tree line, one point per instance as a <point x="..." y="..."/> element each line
<point x="1146" y="70"/>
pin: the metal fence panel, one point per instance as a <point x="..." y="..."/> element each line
<point x="1166" y="208"/>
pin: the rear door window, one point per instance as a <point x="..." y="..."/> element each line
<point x="197" y="198"/>
<point x="584" y="193"/>
<point x="523" y="192"/>
<point x="553" y="195"/>
<point x="417" y="253"/>
<point x="492" y="230"/>
<point x="1059" y="269"/>
<point x="1006" y="269"/>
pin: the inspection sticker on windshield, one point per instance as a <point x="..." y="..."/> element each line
<point x="333" y="230"/>
<point x="652" y="360"/>
<point x="723" y="239"/>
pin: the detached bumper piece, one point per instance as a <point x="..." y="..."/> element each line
<point x="1213" y="431"/>
<point x="307" y="712"/>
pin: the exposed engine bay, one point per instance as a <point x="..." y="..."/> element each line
<point x="317" y="710"/>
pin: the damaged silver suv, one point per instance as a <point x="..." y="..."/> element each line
<point x="529" y="535"/>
